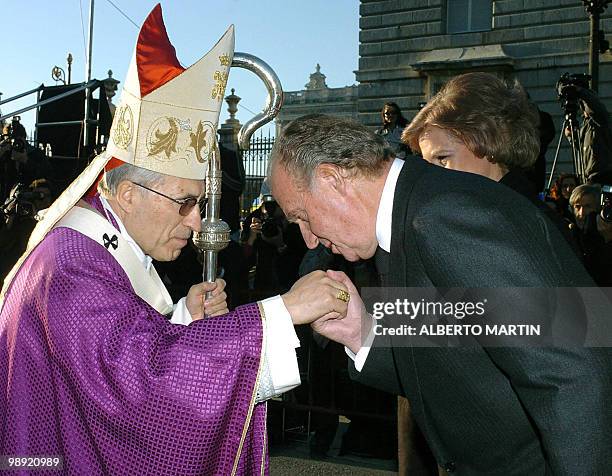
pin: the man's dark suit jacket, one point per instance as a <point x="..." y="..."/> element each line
<point x="495" y="410"/>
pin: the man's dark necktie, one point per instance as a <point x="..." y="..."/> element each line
<point x="382" y="258"/>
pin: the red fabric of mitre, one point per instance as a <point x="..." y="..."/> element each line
<point x="155" y="56"/>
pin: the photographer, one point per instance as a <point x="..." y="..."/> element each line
<point x="593" y="230"/>
<point x="24" y="190"/>
<point x="595" y="134"/>
<point x="17" y="220"/>
<point x="273" y="245"/>
<point x="560" y="194"/>
<point x="19" y="161"/>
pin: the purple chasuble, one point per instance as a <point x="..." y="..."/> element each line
<point x="90" y="372"/>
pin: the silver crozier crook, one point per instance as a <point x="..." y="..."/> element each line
<point x="215" y="233"/>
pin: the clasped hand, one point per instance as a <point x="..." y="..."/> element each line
<point x="199" y="306"/>
<point x="356" y="323"/>
<point x="314" y="299"/>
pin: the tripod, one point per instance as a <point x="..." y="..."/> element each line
<point x="570" y="122"/>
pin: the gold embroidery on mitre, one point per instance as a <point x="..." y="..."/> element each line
<point x="124" y="127"/>
<point x="163" y="140"/>
<point x="224" y="60"/>
<point x="198" y="141"/>
<point x="219" y="88"/>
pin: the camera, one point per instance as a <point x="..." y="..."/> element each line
<point x="15" y="134"/>
<point x="567" y="90"/>
<point x="606" y="203"/>
<point x="566" y="86"/>
<point x="20" y="202"/>
<point x="269" y="226"/>
<point x="18" y="145"/>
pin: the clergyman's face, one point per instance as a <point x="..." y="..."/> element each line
<point x="326" y="215"/>
<point x="442" y="148"/>
<point x="156" y="224"/>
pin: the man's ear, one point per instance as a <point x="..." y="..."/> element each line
<point x="332" y="176"/>
<point x="126" y="195"/>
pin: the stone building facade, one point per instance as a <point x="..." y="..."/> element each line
<point x="409" y="48"/>
<point x="318" y="98"/>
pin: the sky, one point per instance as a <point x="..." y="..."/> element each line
<point x="292" y="36"/>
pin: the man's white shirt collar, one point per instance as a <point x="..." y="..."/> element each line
<point x="383" y="235"/>
<point x="385" y="208"/>
<point x="142" y="257"/>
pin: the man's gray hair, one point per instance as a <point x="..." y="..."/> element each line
<point x="111" y="179"/>
<point x="316" y="139"/>
<point x="582" y="190"/>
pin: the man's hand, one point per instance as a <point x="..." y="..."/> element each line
<point x="315" y="296"/>
<point x="345" y="331"/>
<point x="254" y="230"/>
<point x="200" y="307"/>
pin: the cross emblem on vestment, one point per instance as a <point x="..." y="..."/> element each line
<point x="108" y="242"/>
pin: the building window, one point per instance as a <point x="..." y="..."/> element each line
<point x="468" y="15"/>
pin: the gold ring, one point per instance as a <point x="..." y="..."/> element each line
<point x="343" y="295"/>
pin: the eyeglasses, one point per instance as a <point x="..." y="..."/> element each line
<point x="186" y="204"/>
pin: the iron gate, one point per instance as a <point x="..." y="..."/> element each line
<point x="255" y="161"/>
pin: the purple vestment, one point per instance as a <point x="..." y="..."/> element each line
<point x="92" y="373"/>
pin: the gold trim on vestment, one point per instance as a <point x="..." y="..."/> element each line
<point x="265" y="442"/>
<point x="255" y="387"/>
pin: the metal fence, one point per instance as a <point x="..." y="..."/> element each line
<point x="255" y="161"/>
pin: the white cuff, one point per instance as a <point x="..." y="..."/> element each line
<point x="180" y="314"/>
<point x="281" y="342"/>
<point x="359" y="359"/>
